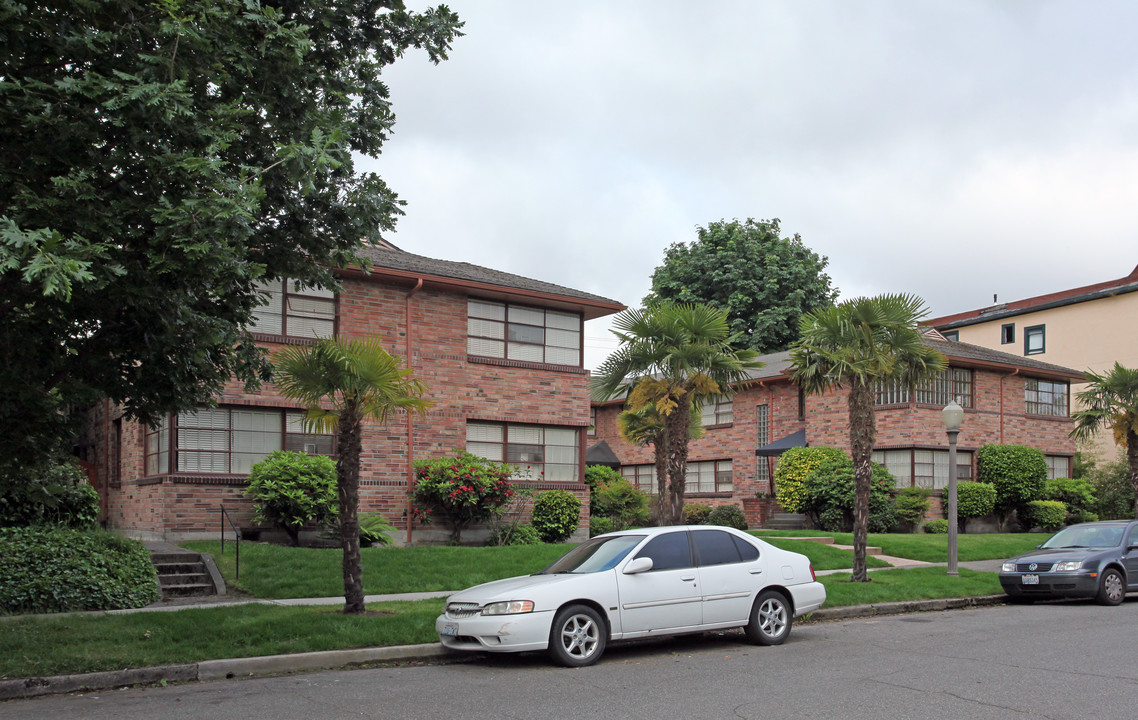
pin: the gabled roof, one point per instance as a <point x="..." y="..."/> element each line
<point x="485" y="282"/>
<point x="1039" y="302"/>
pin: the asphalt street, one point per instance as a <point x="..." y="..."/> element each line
<point x="1051" y="660"/>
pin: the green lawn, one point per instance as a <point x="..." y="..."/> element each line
<point x="923" y="583"/>
<point x="932" y="548"/>
<point x="824" y="557"/>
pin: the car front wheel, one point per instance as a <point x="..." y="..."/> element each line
<point x="577" y="637"/>
<point x="771" y="618"/>
<point x="1111" y="588"/>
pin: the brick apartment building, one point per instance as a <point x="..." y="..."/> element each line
<point x="501" y="356"/>
<point x="1007" y="399"/>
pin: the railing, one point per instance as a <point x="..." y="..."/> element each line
<point x="237" y="542"/>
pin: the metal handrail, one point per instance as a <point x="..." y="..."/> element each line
<point x="236" y="534"/>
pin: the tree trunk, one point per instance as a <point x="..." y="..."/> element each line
<point x="677" y="437"/>
<point x="1132" y="460"/>
<point x="348" y="490"/>
<point x="863" y="432"/>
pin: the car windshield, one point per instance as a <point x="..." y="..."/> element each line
<point x="596" y="555"/>
<point x="1088" y="536"/>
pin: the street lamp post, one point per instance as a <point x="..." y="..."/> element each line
<point x="953" y="416"/>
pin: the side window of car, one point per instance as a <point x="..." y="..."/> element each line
<point x="1133" y="539"/>
<point x="668" y="552"/>
<point x="747" y="551"/>
<point x="714" y="547"/>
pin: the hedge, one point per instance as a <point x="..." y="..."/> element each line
<point x="793" y="467"/>
<point x="556" y="514"/>
<point x="1017" y="472"/>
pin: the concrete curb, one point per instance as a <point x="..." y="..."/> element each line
<point x="235" y="668"/>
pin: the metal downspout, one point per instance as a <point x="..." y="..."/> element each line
<point x="410" y="415"/>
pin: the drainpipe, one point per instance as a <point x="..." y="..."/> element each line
<point x="410" y="415"/>
<point x="1002" y="378"/>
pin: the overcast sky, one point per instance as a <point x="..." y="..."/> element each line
<point x="950" y="149"/>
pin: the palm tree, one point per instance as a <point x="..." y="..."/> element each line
<point x="1111" y="400"/>
<point x="646" y="427"/>
<point x="852" y="345"/>
<point x="343" y="382"/>
<point x="671" y="357"/>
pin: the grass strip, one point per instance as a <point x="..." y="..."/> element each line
<point x="824" y="557"/>
<point x="932" y="548"/>
<point x="924" y="583"/>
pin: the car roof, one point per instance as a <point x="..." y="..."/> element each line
<point x="653" y="531"/>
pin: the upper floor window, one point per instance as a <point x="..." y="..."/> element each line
<point x="949" y="384"/>
<point x="1034" y="340"/>
<point x="716" y="412"/>
<point x="540" y="452"/>
<point x="951" y="335"/>
<point x="1043" y="397"/>
<point x="517" y="332"/>
<point x="295" y="312"/>
<point x="1007" y="333"/>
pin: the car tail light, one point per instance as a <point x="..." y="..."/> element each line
<point x="812" y="575"/>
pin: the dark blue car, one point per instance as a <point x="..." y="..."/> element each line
<point x="1092" y="560"/>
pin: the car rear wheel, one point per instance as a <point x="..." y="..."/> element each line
<point x="577" y="637"/>
<point x="1111" y="588"/>
<point x="771" y="619"/>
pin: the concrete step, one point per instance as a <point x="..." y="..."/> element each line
<point x="183" y="573"/>
<point x="188" y="590"/>
<point x="196" y="578"/>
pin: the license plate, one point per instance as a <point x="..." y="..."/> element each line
<point x="452" y="628"/>
<point x="1030" y="579"/>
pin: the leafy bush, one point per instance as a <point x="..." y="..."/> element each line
<point x="62" y="570"/>
<point x="600" y="526"/>
<point x="519" y="534"/>
<point x="291" y="490"/>
<point x="937" y="527"/>
<point x="911" y="504"/>
<point x="830" y="493"/>
<point x="624" y="504"/>
<point x="1078" y="495"/>
<point x="793" y="467"/>
<point x="1113" y="489"/>
<point x="696" y="514"/>
<point x="373" y="530"/>
<point x="462" y="489"/>
<point x="598" y="475"/>
<point x="973" y="500"/>
<point x="1081" y="516"/>
<point x="1043" y="514"/>
<point x="1017" y="472"/>
<point x="56" y="493"/>
<point x="728" y="516"/>
<point x="556" y="514"/>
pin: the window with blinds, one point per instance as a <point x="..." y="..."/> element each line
<point x="527" y="334"/>
<point x="716" y="412"/>
<point x="295" y="312"/>
<point x="915" y="467"/>
<point x="540" y="452"/>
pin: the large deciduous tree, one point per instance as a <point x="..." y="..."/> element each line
<point x="853" y="345"/>
<point x="671" y="357"/>
<point x="1111" y="400"/>
<point x="762" y="281"/>
<point x="157" y="159"/>
<point x="343" y="382"/>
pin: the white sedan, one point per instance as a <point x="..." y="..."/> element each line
<point x="637" y="583"/>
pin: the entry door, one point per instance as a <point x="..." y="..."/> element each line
<point x="666" y="597"/>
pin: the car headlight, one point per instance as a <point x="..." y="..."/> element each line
<point x="1068" y="566"/>
<point x="511" y="607"/>
<point x="1008" y="566"/>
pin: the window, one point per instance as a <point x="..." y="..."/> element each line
<point x="1057" y="466"/>
<point x="1007" y="333"/>
<point x="952" y="335"/>
<point x="717" y="412"/>
<point x="540" y="452"/>
<point x="158" y="448"/>
<point x="913" y="467"/>
<point x="1042" y="397"/>
<point x="715" y="547"/>
<point x="592" y="422"/>
<point x="801" y="404"/>
<point x="295" y="312"/>
<point x="516" y="332"/>
<point x="708" y="477"/>
<point x="671" y="551"/>
<point x="762" y="437"/>
<point x="949" y="384"/>
<point x="1034" y="340"/>
<point x="642" y="477"/>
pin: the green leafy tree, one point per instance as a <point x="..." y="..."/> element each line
<point x="1113" y="491"/>
<point x="1111" y="400"/>
<point x="291" y="490"/>
<point x="794" y="466"/>
<point x="1017" y="472"/>
<point x="464" y="489"/>
<point x="672" y="357"/>
<point x="830" y="491"/>
<point x="762" y="281"/>
<point x="343" y="382"/>
<point x="852" y="345"/>
<point x="54" y="492"/>
<point x="158" y="159"/>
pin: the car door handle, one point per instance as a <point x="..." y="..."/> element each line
<point x="756" y="571"/>
<point x="688" y="579"/>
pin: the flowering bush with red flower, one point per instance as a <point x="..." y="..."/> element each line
<point x="461" y="490"/>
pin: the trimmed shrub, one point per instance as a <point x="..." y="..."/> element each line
<point x="728" y="516"/>
<point x="556" y="514"/>
<point x="793" y="467"/>
<point x="597" y="475"/>
<point x="599" y="526"/>
<point x="696" y="514"/>
<point x="291" y="490"/>
<point x="937" y="527"/>
<point x="911" y="504"/>
<point x="462" y="489"/>
<point x="519" y="534"/>
<point x="62" y="570"/>
<point x="973" y="500"/>
<point x="1017" y="472"/>
<point x="56" y="493"/>
<point x="624" y="504"/>
<point x="1044" y="514"/>
<point x="1077" y="495"/>
<point x="830" y="493"/>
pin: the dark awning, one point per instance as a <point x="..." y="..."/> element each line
<point x="778" y="447"/>
<point x="601" y="454"/>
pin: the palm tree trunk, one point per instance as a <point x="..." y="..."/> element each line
<point x="863" y="432"/>
<point x="1132" y="460"/>
<point x="348" y="490"/>
<point x="677" y="436"/>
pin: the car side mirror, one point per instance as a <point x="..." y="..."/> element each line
<point x="639" y="565"/>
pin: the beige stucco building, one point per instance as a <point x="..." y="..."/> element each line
<point x="1085" y="328"/>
